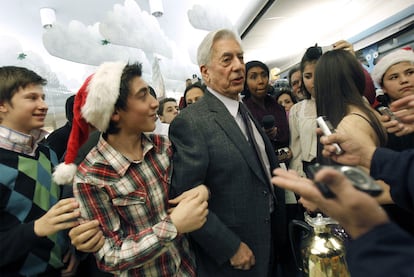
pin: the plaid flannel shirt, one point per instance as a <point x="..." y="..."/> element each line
<point x="130" y="200"/>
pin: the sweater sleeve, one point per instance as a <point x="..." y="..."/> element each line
<point x="17" y="241"/>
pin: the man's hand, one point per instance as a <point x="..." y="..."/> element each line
<point x="393" y="126"/>
<point x="404" y="109"/>
<point x="87" y="237"/>
<point x="356" y="211"/>
<point x="354" y="152"/>
<point x="61" y="216"/>
<point x="244" y="258"/>
<point x="190" y="214"/>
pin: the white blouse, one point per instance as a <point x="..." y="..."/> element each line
<point x="303" y="138"/>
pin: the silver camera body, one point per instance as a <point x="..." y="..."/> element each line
<point x="360" y="180"/>
<point x="386" y="111"/>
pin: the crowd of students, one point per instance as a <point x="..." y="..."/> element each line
<point x="204" y="198"/>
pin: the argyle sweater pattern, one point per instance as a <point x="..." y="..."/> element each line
<point x="27" y="192"/>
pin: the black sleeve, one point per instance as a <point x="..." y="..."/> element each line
<point x="384" y="251"/>
<point x="17" y="241"/>
<point x="397" y="170"/>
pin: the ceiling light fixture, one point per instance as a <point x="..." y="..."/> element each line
<point x="156" y="8"/>
<point x="48" y="17"/>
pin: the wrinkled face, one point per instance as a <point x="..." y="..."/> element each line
<point x="26" y="111"/>
<point x="296" y="81"/>
<point x="169" y="112"/>
<point x="225" y="72"/>
<point x="285" y="101"/>
<point x="141" y="110"/>
<point x="257" y="81"/>
<point x="193" y="95"/>
<point x="308" y="75"/>
<point x="398" y="80"/>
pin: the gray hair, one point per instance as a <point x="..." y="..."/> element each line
<point x="204" y="51"/>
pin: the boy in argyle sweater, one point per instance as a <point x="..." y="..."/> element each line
<point x="32" y="215"/>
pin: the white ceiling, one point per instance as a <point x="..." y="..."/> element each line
<point x="289" y="27"/>
<point x="279" y="38"/>
<point x="20" y="19"/>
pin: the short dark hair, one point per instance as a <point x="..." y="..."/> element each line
<point x="162" y="102"/>
<point x="287" y="91"/>
<point x="13" y="78"/>
<point x="195" y="85"/>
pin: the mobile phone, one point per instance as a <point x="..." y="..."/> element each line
<point x="360" y="180"/>
<point x="386" y="111"/>
<point x="327" y="130"/>
<point x="323" y="188"/>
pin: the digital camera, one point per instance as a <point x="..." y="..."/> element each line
<point x="361" y="180"/>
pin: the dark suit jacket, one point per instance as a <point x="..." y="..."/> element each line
<point x="211" y="149"/>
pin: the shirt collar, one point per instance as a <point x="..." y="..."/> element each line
<point x="231" y="104"/>
<point x="119" y="162"/>
<point x="20" y="142"/>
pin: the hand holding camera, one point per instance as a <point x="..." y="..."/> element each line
<point x="360" y="180"/>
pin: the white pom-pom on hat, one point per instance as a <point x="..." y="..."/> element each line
<point x="103" y="92"/>
<point x="64" y="173"/>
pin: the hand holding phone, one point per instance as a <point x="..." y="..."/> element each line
<point x="386" y="111"/>
<point x="323" y="188"/>
<point x="327" y="130"/>
<point x="360" y="180"/>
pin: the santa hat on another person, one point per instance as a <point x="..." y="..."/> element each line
<point x="94" y="105"/>
<point x="401" y="55"/>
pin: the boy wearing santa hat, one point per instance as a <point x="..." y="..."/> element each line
<point x="123" y="182"/>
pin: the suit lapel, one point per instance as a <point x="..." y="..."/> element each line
<point x="232" y="130"/>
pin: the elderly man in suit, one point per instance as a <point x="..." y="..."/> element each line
<point x="246" y="221"/>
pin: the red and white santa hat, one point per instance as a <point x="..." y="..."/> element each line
<point x="94" y="104"/>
